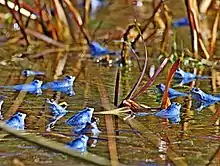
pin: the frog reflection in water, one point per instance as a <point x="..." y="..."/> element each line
<point x="34" y="87"/>
<point x="92" y="129"/>
<point x="79" y="144"/>
<point x="80" y="119"/>
<point x="171" y="92"/>
<point x="66" y="82"/>
<point x="198" y="94"/>
<point x="17" y="121"/>
<point x="172" y="113"/>
<point x="57" y="110"/>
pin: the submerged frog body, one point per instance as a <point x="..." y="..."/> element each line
<point x="180" y="74"/>
<point x="80" y="119"/>
<point x="79" y="144"/>
<point x="92" y="129"/>
<point x="198" y="94"/>
<point x="97" y="50"/>
<point x="66" y="82"/>
<point x="172" y="113"/>
<point x="180" y="22"/>
<point x="34" y="87"/>
<point x="28" y="73"/>
<point x="67" y="90"/>
<point x="17" y="121"/>
<point x="200" y="105"/>
<point x="57" y="110"/>
<point x="172" y="93"/>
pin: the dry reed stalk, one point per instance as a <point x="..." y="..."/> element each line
<point x="214" y="36"/>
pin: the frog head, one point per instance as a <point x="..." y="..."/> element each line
<point x="161" y="87"/>
<point x="197" y="93"/>
<point x="20" y="116"/>
<point x="179" y="73"/>
<point x="175" y="105"/>
<point x="37" y="83"/>
<point x="69" y="79"/>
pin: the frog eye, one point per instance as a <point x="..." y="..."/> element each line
<point x="36" y="81"/>
<point x="20" y="114"/>
<point x="25" y="72"/>
<point x="69" y="77"/>
<point x="196" y="89"/>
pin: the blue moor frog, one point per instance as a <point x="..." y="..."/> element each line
<point x="198" y="94"/>
<point x="17" y="121"/>
<point x="79" y="144"/>
<point x="172" y="113"/>
<point x="33" y="87"/>
<point x="57" y="110"/>
<point x="28" y="73"/>
<point x="80" y="119"/>
<point x="97" y="50"/>
<point x="92" y="130"/>
<point x="66" y="82"/>
<point x="172" y="93"/>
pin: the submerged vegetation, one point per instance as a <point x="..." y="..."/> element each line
<point x="55" y="45"/>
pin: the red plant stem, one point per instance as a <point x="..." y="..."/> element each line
<point x="151" y="80"/>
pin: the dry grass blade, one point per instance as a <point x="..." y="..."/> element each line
<point x="117" y="84"/>
<point x="165" y="100"/>
<point x="45" y="38"/>
<point x="112" y="146"/>
<point x="55" y="146"/>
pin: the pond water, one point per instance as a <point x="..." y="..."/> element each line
<point x="195" y="140"/>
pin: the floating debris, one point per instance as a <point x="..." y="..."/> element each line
<point x="17" y="121"/>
